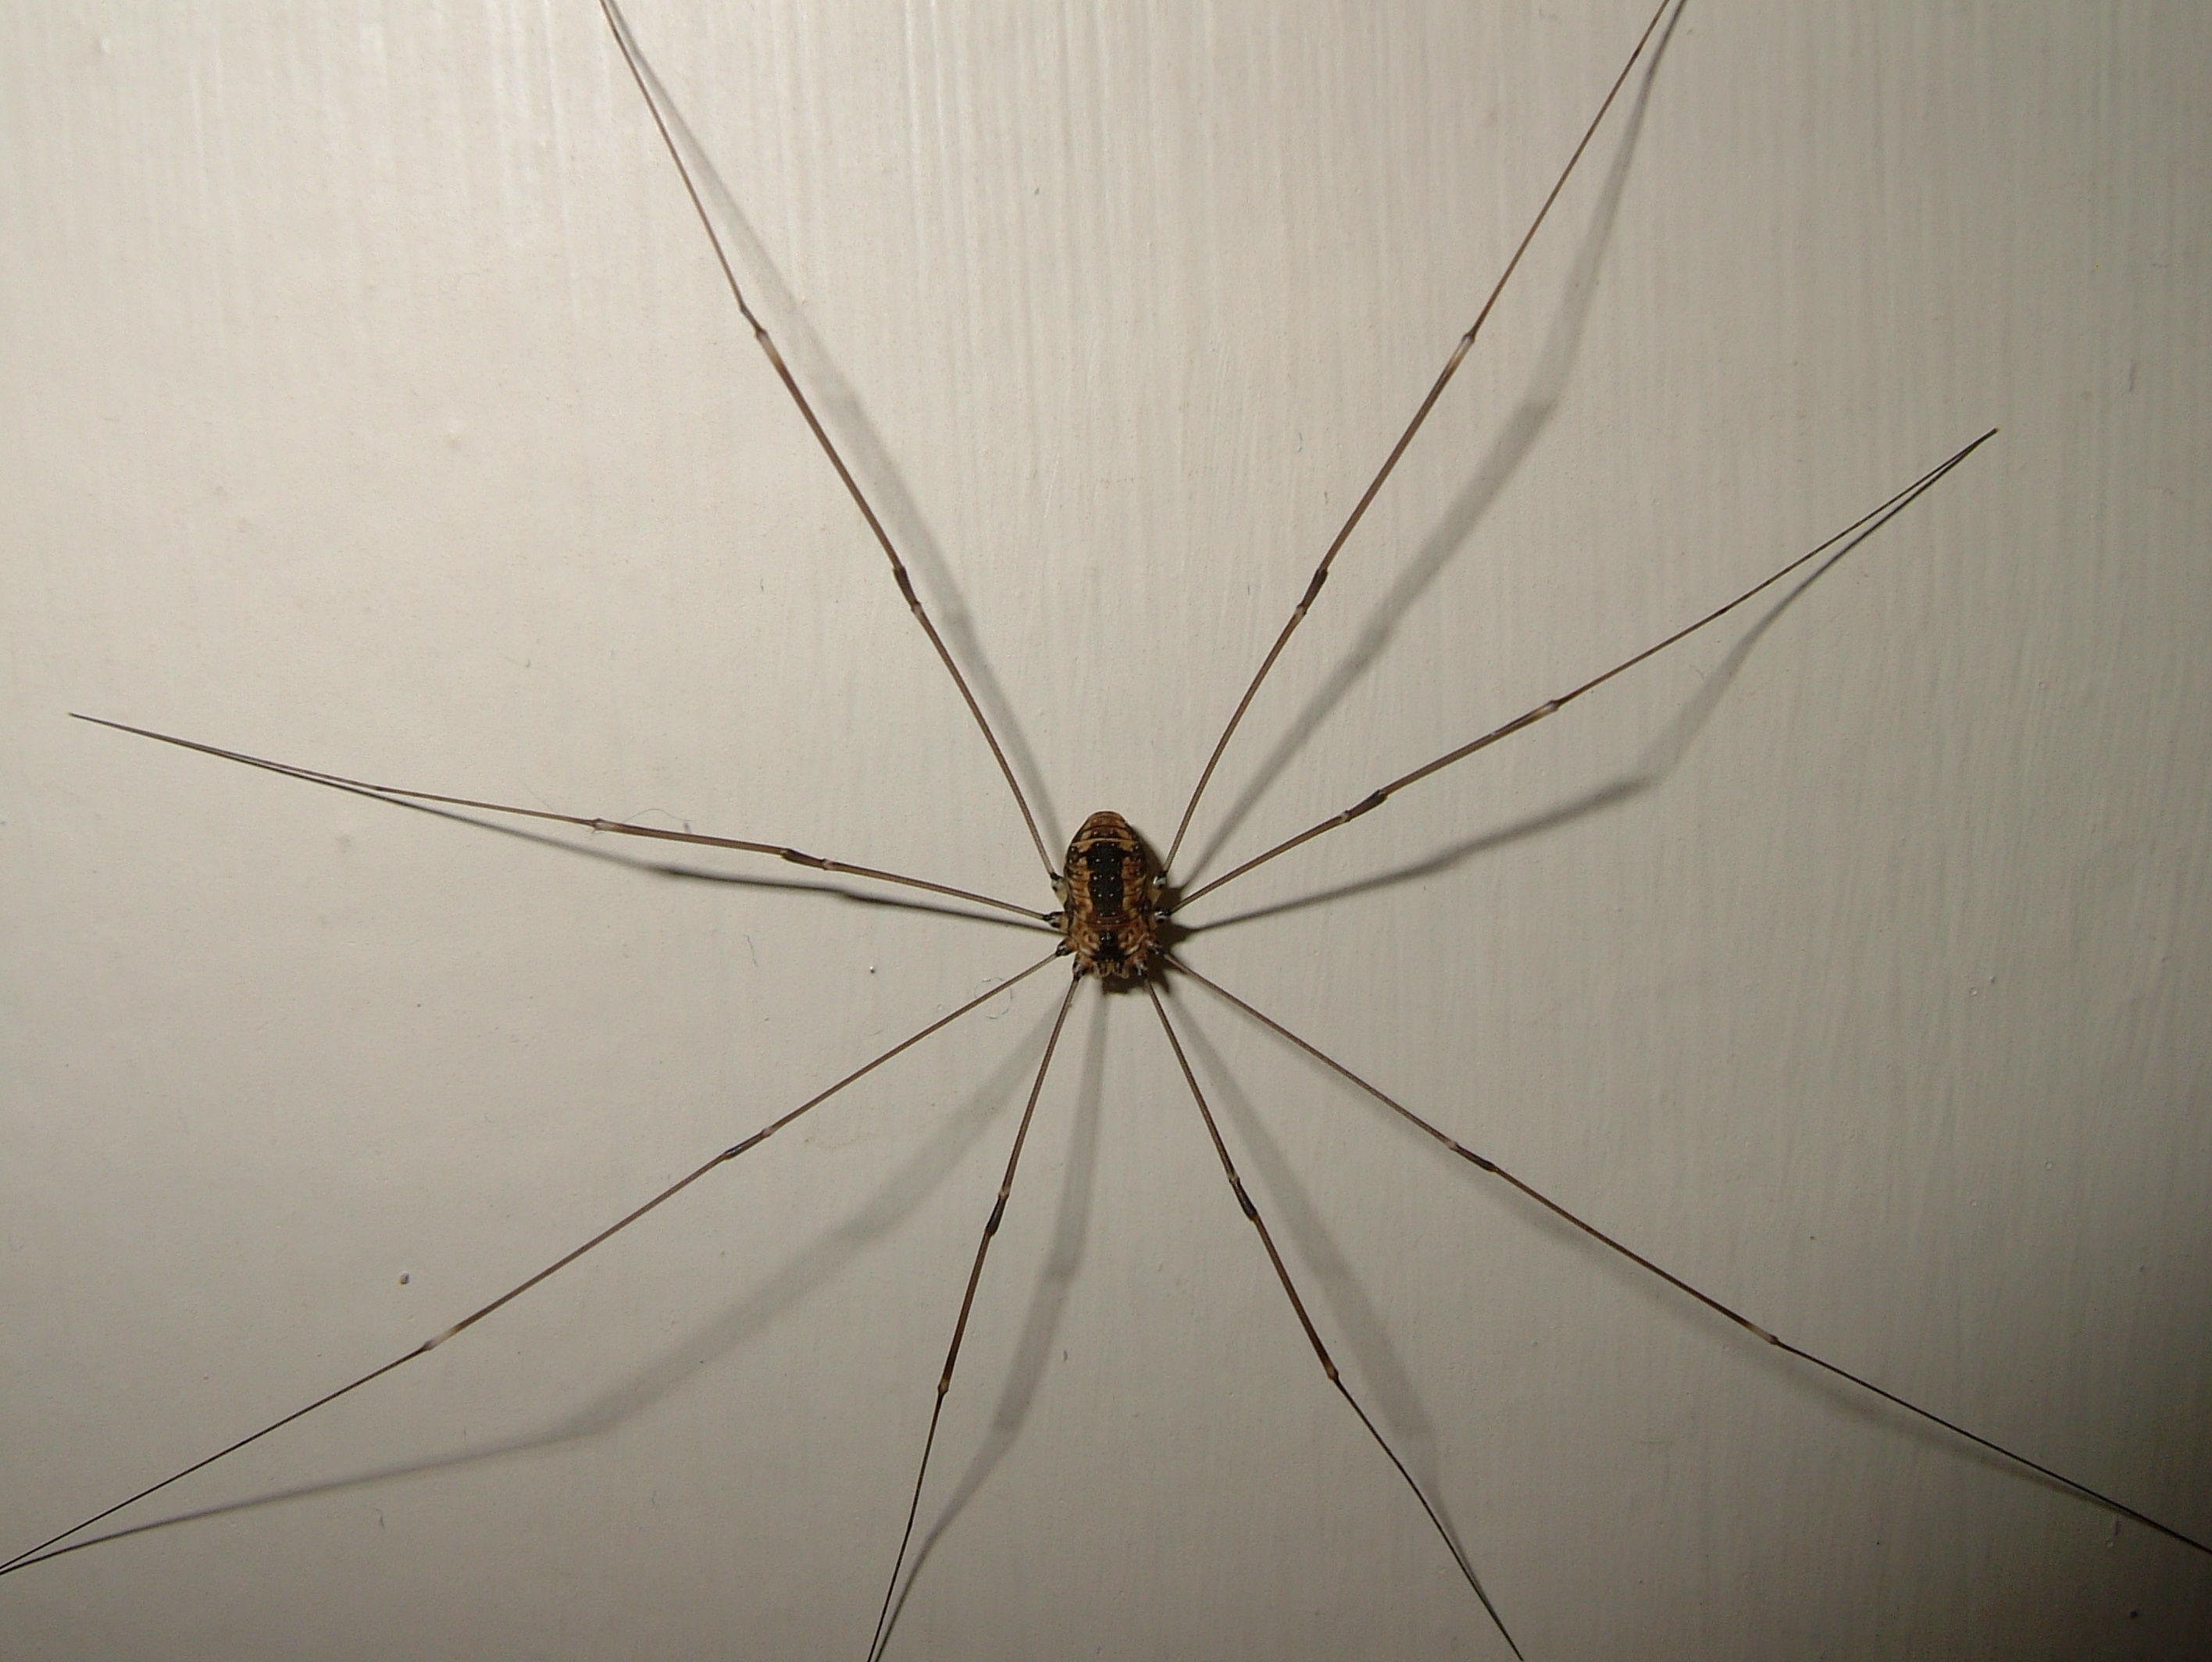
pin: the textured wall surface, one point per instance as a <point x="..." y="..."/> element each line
<point x="373" y="403"/>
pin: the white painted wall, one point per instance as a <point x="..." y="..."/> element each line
<point x="373" y="404"/>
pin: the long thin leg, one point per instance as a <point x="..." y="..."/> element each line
<point x="1849" y="539"/>
<point x="960" y="1327"/>
<point x="47" y="1547"/>
<point x="649" y="87"/>
<point x="2080" y="1490"/>
<point x="1420" y="417"/>
<point x="611" y="827"/>
<point x="1313" y="1337"/>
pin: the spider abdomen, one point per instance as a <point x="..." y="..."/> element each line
<point x="1109" y="894"/>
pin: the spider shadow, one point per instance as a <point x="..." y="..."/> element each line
<point x="1359" y="1324"/>
<point x="1835" y="1398"/>
<point x="671" y="869"/>
<point x="1652" y="769"/>
<point x="830" y="1253"/>
<point x="1056" y="1280"/>
<point x="1522" y="428"/>
<point x="1386" y="1380"/>
<point x="842" y="412"/>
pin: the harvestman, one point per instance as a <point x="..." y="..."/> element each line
<point x="1114" y="912"/>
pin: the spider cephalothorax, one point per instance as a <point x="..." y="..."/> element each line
<point x="1110" y="891"/>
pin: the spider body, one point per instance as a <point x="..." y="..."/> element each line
<point x="1110" y="893"/>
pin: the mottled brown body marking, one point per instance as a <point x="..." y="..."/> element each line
<point x="1109" y="894"/>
